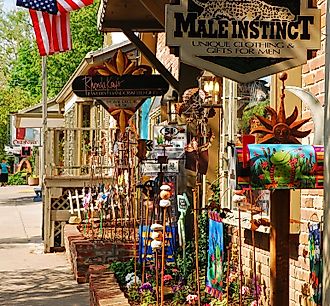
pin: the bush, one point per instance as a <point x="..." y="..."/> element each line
<point x="19" y="178"/>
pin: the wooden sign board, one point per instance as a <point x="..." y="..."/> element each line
<point x="115" y="86"/>
<point x="243" y="39"/>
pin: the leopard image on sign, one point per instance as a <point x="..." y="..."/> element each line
<point x="243" y="39"/>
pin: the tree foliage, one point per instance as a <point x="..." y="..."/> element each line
<point x="85" y="38"/>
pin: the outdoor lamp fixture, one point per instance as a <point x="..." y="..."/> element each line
<point x="211" y="85"/>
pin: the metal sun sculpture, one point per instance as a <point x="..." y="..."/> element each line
<point x="279" y="128"/>
<point x="120" y="64"/>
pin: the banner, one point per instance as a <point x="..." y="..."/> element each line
<point x="281" y="166"/>
<point x="145" y="241"/>
<point x="214" y="284"/>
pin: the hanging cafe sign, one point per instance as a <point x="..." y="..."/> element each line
<point x="114" y="86"/>
<point x="243" y="39"/>
<point x="120" y="85"/>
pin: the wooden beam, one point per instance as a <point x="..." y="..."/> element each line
<point x="152" y="58"/>
<point x="279" y="247"/>
<point x="155" y="10"/>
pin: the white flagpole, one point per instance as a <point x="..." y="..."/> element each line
<point x="44" y="113"/>
<point x="44" y="144"/>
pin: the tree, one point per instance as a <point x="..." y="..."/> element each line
<point x="11" y="100"/>
<point x="85" y="38"/>
<point x="20" y="62"/>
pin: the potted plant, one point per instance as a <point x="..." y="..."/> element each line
<point x="33" y="179"/>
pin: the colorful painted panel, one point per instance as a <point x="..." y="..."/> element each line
<point x="281" y="166"/>
<point x="170" y="241"/>
<point x="214" y="285"/>
<point x="315" y="262"/>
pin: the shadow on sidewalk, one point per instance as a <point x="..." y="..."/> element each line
<point x="51" y="287"/>
<point x="6" y="243"/>
<point x="18" y="201"/>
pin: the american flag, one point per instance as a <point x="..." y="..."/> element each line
<point x="49" y="6"/>
<point x="52" y="31"/>
<point x="72" y="5"/>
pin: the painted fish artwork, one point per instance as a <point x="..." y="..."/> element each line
<point x="214" y="279"/>
<point x="282" y="166"/>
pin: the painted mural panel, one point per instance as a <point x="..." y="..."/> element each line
<point x="214" y="284"/>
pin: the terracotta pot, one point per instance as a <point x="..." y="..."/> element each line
<point x="33" y="181"/>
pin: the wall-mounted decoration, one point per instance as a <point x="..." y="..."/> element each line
<point x="315" y="261"/>
<point x="120" y="85"/>
<point x="214" y="284"/>
<point x="281" y="166"/>
<point x="243" y="40"/>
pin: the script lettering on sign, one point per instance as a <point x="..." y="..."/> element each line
<point x="115" y="86"/>
<point x="267" y="35"/>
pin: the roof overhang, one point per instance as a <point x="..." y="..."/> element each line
<point x="137" y="15"/>
<point x="31" y="117"/>
<point x="91" y="59"/>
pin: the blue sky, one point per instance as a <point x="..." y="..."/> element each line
<point x="9" y="4"/>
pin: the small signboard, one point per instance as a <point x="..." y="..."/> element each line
<point x="170" y="139"/>
<point x="145" y="241"/>
<point x="116" y="86"/>
<point x="243" y="39"/>
<point x="25" y="136"/>
<point x="150" y="167"/>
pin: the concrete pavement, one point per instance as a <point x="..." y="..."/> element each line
<point x="28" y="277"/>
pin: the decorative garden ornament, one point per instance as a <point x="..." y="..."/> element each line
<point x="155" y="244"/>
<point x="316" y="108"/>
<point x="156" y="227"/>
<point x="164" y="203"/>
<point x="279" y="128"/>
<point x="156" y="236"/>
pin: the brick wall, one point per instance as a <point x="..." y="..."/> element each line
<point x="104" y="291"/>
<point x="82" y="252"/>
<point x="163" y="54"/>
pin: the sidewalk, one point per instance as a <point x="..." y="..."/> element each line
<point x="27" y="276"/>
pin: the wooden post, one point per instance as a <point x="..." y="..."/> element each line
<point x="279" y="247"/>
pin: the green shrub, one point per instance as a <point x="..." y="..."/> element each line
<point x="19" y="178"/>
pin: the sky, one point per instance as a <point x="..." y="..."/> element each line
<point x="9" y="4"/>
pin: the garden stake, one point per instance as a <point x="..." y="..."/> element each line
<point x="156" y="276"/>
<point x="228" y="271"/>
<point x="240" y="255"/>
<point x="147" y="238"/>
<point x="196" y="244"/>
<point x="254" y="253"/>
<point x="163" y="259"/>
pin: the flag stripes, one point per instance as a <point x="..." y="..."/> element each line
<point x="52" y="32"/>
<point x="72" y="5"/>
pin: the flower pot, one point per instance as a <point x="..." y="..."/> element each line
<point x="33" y="181"/>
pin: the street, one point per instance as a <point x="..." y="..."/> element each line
<point x="28" y="276"/>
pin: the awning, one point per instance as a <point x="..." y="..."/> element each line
<point x="137" y="15"/>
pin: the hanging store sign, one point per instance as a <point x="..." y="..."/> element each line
<point x="151" y="167"/>
<point x="243" y="39"/>
<point x="115" y="86"/>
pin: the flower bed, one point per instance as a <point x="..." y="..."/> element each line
<point x="83" y="252"/>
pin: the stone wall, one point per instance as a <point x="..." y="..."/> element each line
<point x="82" y="252"/>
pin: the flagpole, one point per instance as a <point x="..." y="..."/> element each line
<point x="44" y="143"/>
